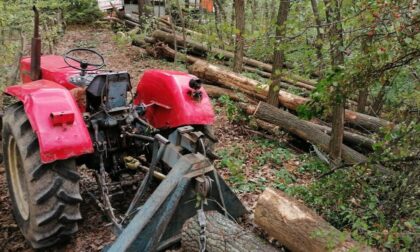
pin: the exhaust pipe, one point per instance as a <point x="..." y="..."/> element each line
<point x="36" y="49"/>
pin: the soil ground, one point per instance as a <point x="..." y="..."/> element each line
<point x="245" y="144"/>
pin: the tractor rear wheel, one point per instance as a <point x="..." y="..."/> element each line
<point x="45" y="197"/>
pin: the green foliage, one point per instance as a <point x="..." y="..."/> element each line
<point x="16" y="28"/>
<point x="81" y="11"/>
<point x="283" y="179"/>
<point x="378" y="208"/>
<point x="232" y="111"/>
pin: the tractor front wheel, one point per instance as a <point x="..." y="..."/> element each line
<point x="45" y="197"/>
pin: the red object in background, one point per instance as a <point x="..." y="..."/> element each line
<point x="57" y="141"/>
<point x="171" y="89"/>
<point x="207" y="5"/>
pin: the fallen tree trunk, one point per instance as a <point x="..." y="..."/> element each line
<point x="253" y="88"/>
<point x="215" y="92"/>
<point x="169" y="53"/>
<point x="354" y="139"/>
<point x="222" y="235"/>
<point x="298" y="227"/>
<point x="304" y="130"/>
<point x="349" y="137"/>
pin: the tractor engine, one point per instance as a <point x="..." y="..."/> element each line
<point x="115" y="126"/>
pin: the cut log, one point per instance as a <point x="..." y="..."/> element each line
<point x="351" y="138"/>
<point x="222" y="235"/>
<point x="299" y="228"/>
<point x="253" y="88"/>
<point x="304" y="130"/>
<point x="215" y="92"/>
<point x="169" y="53"/>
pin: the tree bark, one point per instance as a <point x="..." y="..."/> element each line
<point x="239" y="36"/>
<point x="254" y="10"/>
<point x="333" y="16"/>
<point x="352" y="139"/>
<point x="218" y="21"/>
<point x="319" y="37"/>
<point x="304" y="130"/>
<point x="254" y="89"/>
<point x="278" y="57"/>
<point x="215" y="92"/>
<point x="222" y="235"/>
<point x="141" y="9"/>
<point x="299" y="228"/>
<point x="364" y="91"/>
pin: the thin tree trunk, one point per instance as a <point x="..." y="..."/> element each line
<point x="218" y="21"/>
<point x="333" y="15"/>
<point x="254" y="10"/>
<point x="141" y="9"/>
<point x="220" y="5"/>
<point x="379" y="99"/>
<point x="364" y="92"/>
<point x="184" y="34"/>
<point x="232" y="22"/>
<point x="240" y="31"/>
<point x="174" y="32"/>
<point x="319" y="37"/>
<point x="278" y="58"/>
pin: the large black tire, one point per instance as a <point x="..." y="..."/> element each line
<point x="45" y="197"/>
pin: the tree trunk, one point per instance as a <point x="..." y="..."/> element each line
<point x="254" y="10"/>
<point x="351" y="138"/>
<point x="364" y="91"/>
<point x="222" y="235"/>
<point x="221" y="8"/>
<point x="239" y="36"/>
<point x="216" y="92"/>
<point x="254" y="89"/>
<point x="218" y="21"/>
<point x="379" y="99"/>
<point x="181" y="16"/>
<point x="333" y="16"/>
<point x="278" y="57"/>
<point x="169" y="53"/>
<point x="299" y="228"/>
<point x="142" y="11"/>
<point x="319" y="37"/>
<point x="304" y="130"/>
<point x="337" y="133"/>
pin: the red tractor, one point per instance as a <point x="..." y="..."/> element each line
<point x="70" y="113"/>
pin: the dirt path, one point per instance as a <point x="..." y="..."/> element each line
<point x="244" y="163"/>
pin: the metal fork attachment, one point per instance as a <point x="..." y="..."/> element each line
<point x="191" y="184"/>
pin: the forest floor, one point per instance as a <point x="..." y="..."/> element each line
<point x="249" y="160"/>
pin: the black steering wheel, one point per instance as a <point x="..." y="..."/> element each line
<point x="83" y="63"/>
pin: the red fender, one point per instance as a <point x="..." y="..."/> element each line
<point x="55" y="118"/>
<point x="170" y="96"/>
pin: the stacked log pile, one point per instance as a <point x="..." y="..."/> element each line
<point x="221" y="80"/>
